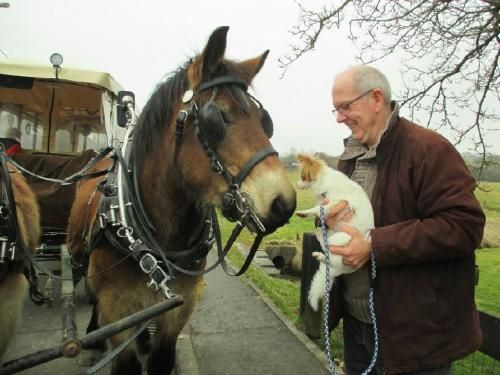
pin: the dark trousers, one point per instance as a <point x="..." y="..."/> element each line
<point x="358" y="350"/>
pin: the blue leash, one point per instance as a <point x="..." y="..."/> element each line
<point x="326" y="304"/>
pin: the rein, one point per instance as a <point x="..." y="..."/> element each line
<point x="80" y="175"/>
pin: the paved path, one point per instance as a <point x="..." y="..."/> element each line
<point x="234" y="331"/>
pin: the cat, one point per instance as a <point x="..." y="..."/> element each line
<point x="335" y="186"/>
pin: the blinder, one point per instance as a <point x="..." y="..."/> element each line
<point x="213" y="126"/>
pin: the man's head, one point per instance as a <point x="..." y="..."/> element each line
<point x="13" y="133"/>
<point x="361" y="97"/>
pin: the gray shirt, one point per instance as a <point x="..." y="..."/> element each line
<point x="356" y="284"/>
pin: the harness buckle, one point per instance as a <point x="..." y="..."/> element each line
<point x="4" y="257"/>
<point x="4" y="212"/>
<point x="217" y="166"/>
<point x="149" y="265"/>
<point x="102" y="220"/>
<point x="113" y="210"/>
<point x="12" y="250"/>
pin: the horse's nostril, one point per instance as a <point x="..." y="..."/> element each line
<point x="281" y="210"/>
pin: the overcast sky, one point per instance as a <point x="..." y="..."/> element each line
<point x="138" y="42"/>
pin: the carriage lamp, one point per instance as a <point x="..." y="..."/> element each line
<point x="56" y="60"/>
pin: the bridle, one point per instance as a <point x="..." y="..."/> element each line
<point x="237" y="205"/>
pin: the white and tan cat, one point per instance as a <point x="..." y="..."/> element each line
<point x="336" y="187"/>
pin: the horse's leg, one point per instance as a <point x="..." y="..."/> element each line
<point x="93" y="352"/>
<point x="12" y="294"/>
<point x="92" y="326"/>
<point x="126" y="363"/>
<point x="161" y="360"/>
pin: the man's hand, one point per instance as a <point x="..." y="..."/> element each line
<point x="341" y="212"/>
<point x="357" y="252"/>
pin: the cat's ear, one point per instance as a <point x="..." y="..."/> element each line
<point x="304" y="158"/>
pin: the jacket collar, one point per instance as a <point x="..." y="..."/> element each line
<point x="354" y="149"/>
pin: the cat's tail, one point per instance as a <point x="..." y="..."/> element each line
<point x="317" y="291"/>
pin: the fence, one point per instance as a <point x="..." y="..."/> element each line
<point x="489" y="363"/>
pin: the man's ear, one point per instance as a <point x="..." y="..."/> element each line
<point x="379" y="98"/>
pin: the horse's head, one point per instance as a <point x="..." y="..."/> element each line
<point x="218" y="138"/>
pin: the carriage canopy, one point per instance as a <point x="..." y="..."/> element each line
<point x="65" y="115"/>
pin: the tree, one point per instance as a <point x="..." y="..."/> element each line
<point x="450" y="56"/>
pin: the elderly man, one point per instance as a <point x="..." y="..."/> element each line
<point x="428" y="225"/>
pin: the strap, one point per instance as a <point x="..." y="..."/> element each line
<point x="254" y="160"/>
<point x="251" y="255"/>
<point x="80" y="175"/>
<point x="12" y="214"/>
<point x="223" y="80"/>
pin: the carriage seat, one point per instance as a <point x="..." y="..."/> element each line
<point x="55" y="200"/>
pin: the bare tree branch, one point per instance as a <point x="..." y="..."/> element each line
<point x="449" y="51"/>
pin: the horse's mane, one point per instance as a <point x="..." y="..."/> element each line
<point x="158" y="111"/>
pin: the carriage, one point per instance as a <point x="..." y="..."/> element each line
<point x="55" y="122"/>
<point x="127" y="202"/>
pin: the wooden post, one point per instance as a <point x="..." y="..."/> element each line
<point x="311" y="318"/>
<point x="490" y="326"/>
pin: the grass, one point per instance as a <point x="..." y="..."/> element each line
<point x="285" y="294"/>
<point x="488" y="194"/>
<point x="488" y="288"/>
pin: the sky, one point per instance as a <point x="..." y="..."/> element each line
<point x="141" y="42"/>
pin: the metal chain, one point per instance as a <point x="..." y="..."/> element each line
<point x="326" y="304"/>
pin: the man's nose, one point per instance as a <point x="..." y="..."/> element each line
<point x="341" y="117"/>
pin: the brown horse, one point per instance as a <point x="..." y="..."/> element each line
<point x="200" y="136"/>
<point x="14" y="287"/>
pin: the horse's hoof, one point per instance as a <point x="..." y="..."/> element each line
<point x="89" y="357"/>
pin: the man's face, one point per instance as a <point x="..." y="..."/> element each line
<point x="354" y="109"/>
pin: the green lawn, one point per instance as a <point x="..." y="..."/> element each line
<point x="488" y="288"/>
<point x="488" y="194"/>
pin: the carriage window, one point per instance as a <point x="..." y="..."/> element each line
<point x="79" y="130"/>
<point x="22" y="113"/>
<point x="54" y="117"/>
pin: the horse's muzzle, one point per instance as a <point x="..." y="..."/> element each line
<point x="281" y="211"/>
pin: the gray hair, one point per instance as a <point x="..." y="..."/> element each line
<point x="367" y="78"/>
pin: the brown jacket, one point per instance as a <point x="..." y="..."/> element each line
<point x="428" y="225"/>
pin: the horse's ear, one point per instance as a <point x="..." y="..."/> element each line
<point x="214" y="51"/>
<point x="205" y="63"/>
<point x="253" y="66"/>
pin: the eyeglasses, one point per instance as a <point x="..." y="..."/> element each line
<point x="346" y="107"/>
